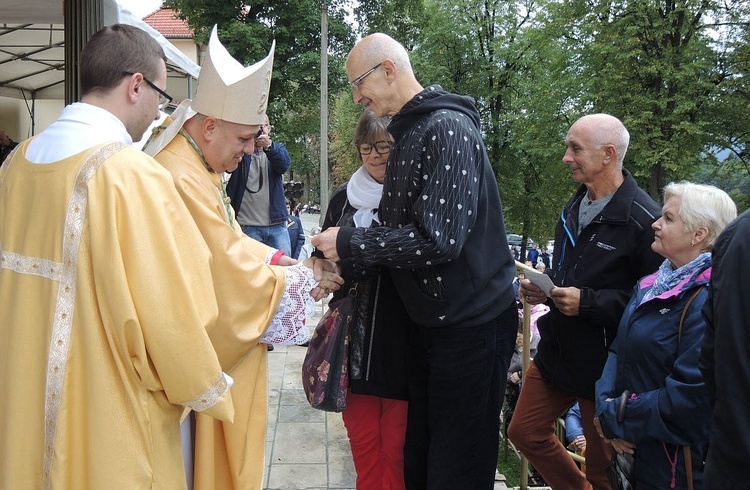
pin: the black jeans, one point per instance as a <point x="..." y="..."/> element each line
<point x="456" y="385"/>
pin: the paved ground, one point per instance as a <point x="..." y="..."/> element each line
<point x="305" y="448"/>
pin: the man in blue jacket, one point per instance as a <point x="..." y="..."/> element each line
<point x="256" y="189"/>
<point x="443" y="242"/>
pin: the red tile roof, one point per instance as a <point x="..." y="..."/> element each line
<point x="166" y="22"/>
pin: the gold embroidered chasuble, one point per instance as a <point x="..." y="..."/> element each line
<point x="105" y="306"/>
<point x="230" y="456"/>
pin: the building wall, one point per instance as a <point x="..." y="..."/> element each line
<point x="180" y="87"/>
<point x="15" y="117"/>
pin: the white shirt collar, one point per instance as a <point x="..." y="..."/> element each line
<point x="80" y="126"/>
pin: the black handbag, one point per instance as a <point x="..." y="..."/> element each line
<point x="325" y="375"/>
<point x="620" y="471"/>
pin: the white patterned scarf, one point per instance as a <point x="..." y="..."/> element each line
<point x="363" y="193"/>
<point x="668" y="277"/>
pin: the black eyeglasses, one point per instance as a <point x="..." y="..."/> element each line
<point x="164" y="98"/>
<point x="358" y="81"/>
<point x="380" y="147"/>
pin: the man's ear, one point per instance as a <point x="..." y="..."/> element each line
<point x="610" y="154"/>
<point x="209" y="127"/>
<point x="389" y="68"/>
<point x="134" y="87"/>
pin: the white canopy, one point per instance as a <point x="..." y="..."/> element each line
<point x="32" y="57"/>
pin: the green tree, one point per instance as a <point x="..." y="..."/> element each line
<point x="727" y="163"/>
<point x="650" y="63"/>
<point x="401" y="19"/>
<point x="342" y="154"/>
<point x="496" y="52"/>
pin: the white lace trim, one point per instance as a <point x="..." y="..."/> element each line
<point x="269" y="255"/>
<point x="288" y="325"/>
<point x="31" y="265"/>
<point x="212" y="395"/>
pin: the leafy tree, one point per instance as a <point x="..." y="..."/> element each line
<point x="727" y="163"/>
<point x="342" y="154"/>
<point x="496" y="52"/>
<point x="401" y="19"/>
<point x="651" y="64"/>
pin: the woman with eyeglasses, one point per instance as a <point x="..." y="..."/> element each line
<point x="375" y="416"/>
<point x="651" y="400"/>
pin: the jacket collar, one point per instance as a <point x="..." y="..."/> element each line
<point x="618" y="209"/>
<point x="699" y="279"/>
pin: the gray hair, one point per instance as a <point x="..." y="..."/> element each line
<point x="371" y="129"/>
<point x="703" y="205"/>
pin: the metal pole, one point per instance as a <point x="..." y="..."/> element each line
<point x="323" y="112"/>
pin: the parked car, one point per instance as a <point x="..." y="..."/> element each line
<point x="514" y="239"/>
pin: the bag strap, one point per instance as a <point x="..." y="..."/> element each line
<point x="686" y="449"/>
<point x="684" y="311"/>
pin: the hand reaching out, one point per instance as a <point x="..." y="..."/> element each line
<point x="326" y="243"/>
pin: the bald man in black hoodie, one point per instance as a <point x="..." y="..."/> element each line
<point x="443" y="242"/>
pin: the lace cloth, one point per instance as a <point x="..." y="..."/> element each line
<point x="288" y="325"/>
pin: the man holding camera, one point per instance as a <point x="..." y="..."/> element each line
<point x="256" y="190"/>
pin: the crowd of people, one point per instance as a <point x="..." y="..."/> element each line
<point x="139" y="302"/>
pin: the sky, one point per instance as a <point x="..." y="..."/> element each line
<point x="140" y="8"/>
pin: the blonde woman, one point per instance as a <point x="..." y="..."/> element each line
<point x="651" y="399"/>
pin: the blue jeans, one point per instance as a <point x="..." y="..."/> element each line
<point x="275" y="236"/>
<point x="456" y="384"/>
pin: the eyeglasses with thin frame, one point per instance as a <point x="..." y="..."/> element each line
<point x="358" y="81"/>
<point x="380" y="147"/>
<point x="164" y="98"/>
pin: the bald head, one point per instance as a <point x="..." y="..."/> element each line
<point x="381" y="75"/>
<point x="378" y="47"/>
<point x="604" y="129"/>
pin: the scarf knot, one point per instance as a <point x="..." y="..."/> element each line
<point x="363" y="193"/>
<point x="667" y="277"/>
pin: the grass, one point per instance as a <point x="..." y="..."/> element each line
<point x="508" y="464"/>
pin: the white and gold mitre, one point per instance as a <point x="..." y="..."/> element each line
<point x="229" y="91"/>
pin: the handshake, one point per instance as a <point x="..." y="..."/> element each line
<point x="326" y="273"/>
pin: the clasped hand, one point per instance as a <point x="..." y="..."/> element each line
<point x="327" y="274"/>
<point x="619" y="445"/>
<point x="324" y="271"/>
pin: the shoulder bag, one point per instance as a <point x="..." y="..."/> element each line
<point x="325" y="370"/>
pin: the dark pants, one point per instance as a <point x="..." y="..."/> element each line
<point x="456" y="380"/>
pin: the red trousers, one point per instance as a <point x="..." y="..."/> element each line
<point x="377" y="429"/>
<point x="532" y="431"/>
